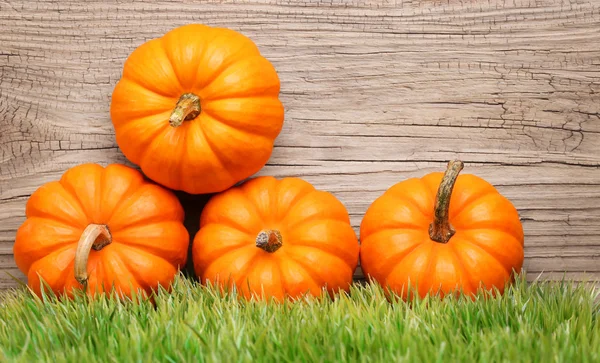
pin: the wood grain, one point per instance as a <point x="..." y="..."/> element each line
<point x="374" y="91"/>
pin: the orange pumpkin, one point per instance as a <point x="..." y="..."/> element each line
<point x="101" y="227"/>
<point x="442" y="233"/>
<point x="276" y="238"/>
<point x="197" y="109"/>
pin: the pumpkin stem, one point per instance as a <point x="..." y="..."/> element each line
<point x="441" y="230"/>
<point x="187" y="108"/>
<point x="269" y="240"/>
<point x="94" y="236"/>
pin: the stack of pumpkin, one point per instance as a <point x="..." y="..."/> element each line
<point x="198" y="110"/>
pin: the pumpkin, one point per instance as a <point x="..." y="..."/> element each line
<point x="442" y="234"/>
<point x="271" y="238"/>
<point x="197" y="109"/>
<point x="98" y="228"/>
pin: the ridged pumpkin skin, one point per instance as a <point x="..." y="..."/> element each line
<point x="318" y="247"/>
<point x="145" y="222"/>
<point x="397" y="249"/>
<point x="208" y="143"/>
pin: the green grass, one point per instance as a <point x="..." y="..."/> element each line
<point x="539" y="322"/>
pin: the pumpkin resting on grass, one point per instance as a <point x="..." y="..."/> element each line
<point x="101" y="227"/>
<point x="442" y="233"/>
<point x="198" y="109"/>
<point x="276" y="238"/>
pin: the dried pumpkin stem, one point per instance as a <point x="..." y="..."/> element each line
<point x="187" y="108"/>
<point x="94" y="236"/>
<point x="441" y="230"/>
<point x="269" y="240"/>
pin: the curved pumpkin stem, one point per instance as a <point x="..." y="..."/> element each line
<point x="187" y="108"/>
<point x="269" y="240"/>
<point x="441" y="230"/>
<point x="94" y="236"/>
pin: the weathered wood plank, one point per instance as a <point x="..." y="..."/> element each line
<point x="375" y="92"/>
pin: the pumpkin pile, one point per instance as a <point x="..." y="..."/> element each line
<point x="198" y="111"/>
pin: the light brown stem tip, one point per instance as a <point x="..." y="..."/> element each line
<point x="187" y="108"/>
<point x="94" y="236"/>
<point x="441" y="230"/>
<point x="269" y="240"/>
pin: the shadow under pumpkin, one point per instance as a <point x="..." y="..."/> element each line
<point x="192" y="206"/>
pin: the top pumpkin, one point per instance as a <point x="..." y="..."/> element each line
<point x="198" y="109"/>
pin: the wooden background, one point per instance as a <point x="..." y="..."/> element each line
<point x="374" y="91"/>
